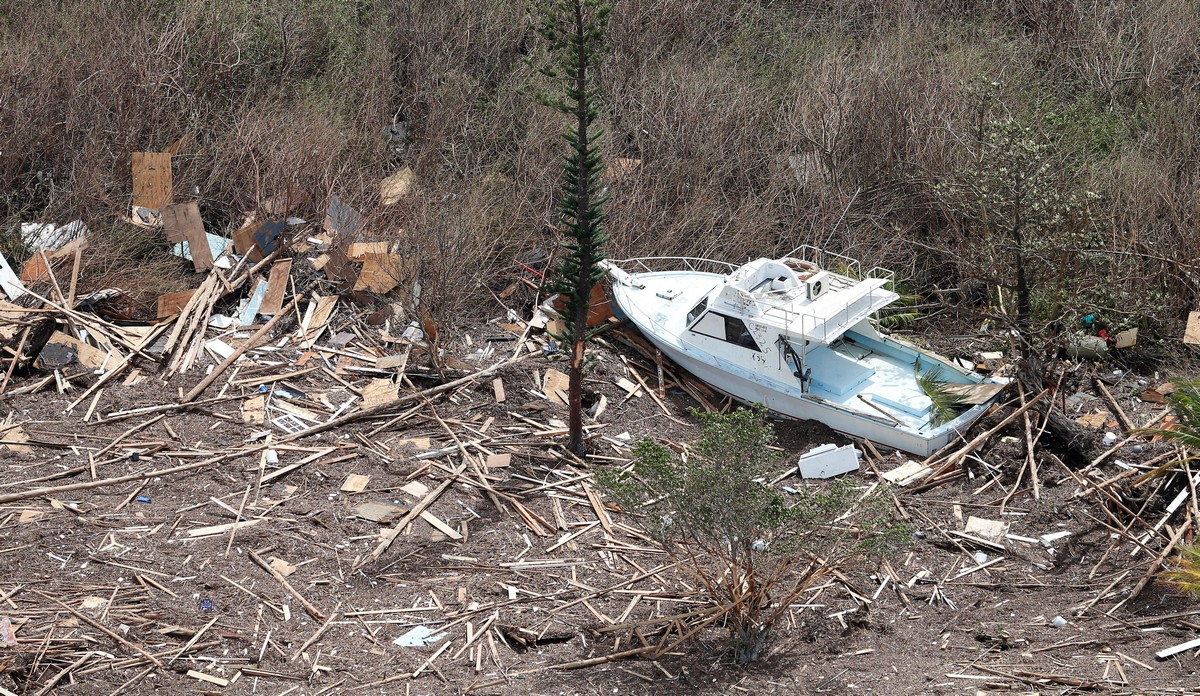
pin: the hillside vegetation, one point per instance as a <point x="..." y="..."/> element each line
<point x="910" y="134"/>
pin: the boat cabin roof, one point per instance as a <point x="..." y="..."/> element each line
<point x="798" y="297"/>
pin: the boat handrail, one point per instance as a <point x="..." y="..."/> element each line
<point x="689" y="262"/>
<point x="804" y="318"/>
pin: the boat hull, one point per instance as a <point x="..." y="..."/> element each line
<point x="743" y="384"/>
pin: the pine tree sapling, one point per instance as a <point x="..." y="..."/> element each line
<point x="753" y="549"/>
<point x="574" y="33"/>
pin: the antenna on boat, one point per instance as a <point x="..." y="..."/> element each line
<point x="835" y="225"/>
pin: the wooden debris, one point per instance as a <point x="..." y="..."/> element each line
<point x="1191" y="334"/>
<point x="277" y="285"/>
<point x="152" y="187"/>
<point x="355" y="483"/>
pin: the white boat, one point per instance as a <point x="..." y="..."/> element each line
<point x="796" y="336"/>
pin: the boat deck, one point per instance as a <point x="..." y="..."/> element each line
<point x="883" y="380"/>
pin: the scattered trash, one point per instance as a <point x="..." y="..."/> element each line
<point x="206" y="604"/>
<point x="142" y="499"/>
<point x="1058" y="622"/>
<point x="420" y="637"/>
<point x="828" y="461"/>
<point x="1110" y="439"/>
<point x="992" y="530"/>
<point x="8" y="637"/>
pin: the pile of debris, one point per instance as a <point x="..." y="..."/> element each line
<point x="411" y="496"/>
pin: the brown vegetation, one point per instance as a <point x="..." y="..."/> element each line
<point x="758" y="125"/>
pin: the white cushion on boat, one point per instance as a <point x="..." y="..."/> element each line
<point x="834" y="372"/>
<point x="916" y="404"/>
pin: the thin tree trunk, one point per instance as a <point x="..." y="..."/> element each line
<point x="583" y="204"/>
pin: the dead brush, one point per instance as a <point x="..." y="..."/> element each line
<point x="753" y="550"/>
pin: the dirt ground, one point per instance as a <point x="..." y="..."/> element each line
<point x="99" y="582"/>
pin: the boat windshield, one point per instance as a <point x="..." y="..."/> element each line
<point x="697" y="311"/>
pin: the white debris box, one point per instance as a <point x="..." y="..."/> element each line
<point x="828" y="461"/>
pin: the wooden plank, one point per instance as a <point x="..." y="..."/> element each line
<point x="314" y="325"/>
<point x="152" y="187"/>
<point x="215" y="529"/>
<point x="381" y="272"/>
<point x="1191" y="334"/>
<point x="277" y="284"/>
<point x="172" y="304"/>
<point x="59" y="349"/>
<point x="243" y="242"/>
<point x="498" y="390"/>
<point x="441" y="526"/>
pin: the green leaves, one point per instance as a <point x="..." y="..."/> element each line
<point x="946" y="404"/>
<point x="574" y="31"/>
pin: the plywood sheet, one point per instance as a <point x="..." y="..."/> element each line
<point x="277" y="284"/>
<point x="555" y="385"/>
<point x="244" y="244"/>
<point x="182" y="223"/>
<point x="381" y="273"/>
<point x="152" y="186"/>
<point x="173" y="303"/>
<point x="1191" y="335"/>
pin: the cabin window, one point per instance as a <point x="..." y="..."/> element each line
<point x="729" y="329"/>
<point x="697" y="311"/>
<point x="736" y="332"/>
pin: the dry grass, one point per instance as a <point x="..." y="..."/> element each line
<point x="759" y="125"/>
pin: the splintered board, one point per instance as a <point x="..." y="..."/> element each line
<point x="182" y="223"/>
<point x="276" y="287"/>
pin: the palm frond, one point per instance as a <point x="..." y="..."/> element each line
<point x="946" y="403"/>
<point x="1185" y="402"/>
<point x="1186" y="573"/>
<point x="899" y="320"/>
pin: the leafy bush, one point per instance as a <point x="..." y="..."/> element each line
<point x="753" y="549"/>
